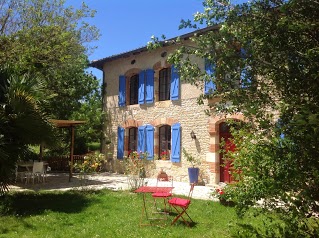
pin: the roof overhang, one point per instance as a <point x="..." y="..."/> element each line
<point x="66" y="123"/>
<point x="99" y="63"/>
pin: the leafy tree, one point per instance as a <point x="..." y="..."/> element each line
<point x="22" y="121"/>
<point x="265" y="55"/>
<point x="91" y="112"/>
<point x="48" y="39"/>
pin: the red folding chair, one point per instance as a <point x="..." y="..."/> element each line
<point x="181" y="205"/>
<point x="163" y="180"/>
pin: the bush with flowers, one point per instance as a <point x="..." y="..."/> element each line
<point x="91" y="163"/>
<point x="137" y="167"/>
<point x="224" y="195"/>
<point x="136" y="163"/>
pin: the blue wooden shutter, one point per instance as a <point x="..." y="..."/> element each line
<point x="245" y="80"/>
<point x="174" y="84"/>
<point x="141" y="139"/>
<point x="120" y="142"/>
<point x="176" y="143"/>
<point x="122" y="89"/>
<point x="141" y="87"/>
<point x="209" y="85"/>
<point x="149" y="86"/>
<point x="150" y="142"/>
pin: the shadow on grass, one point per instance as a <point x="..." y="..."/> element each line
<point x="35" y="203"/>
<point x="180" y="221"/>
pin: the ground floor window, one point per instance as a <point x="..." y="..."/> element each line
<point x="164" y="142"/>
<point x="132" y="139"/>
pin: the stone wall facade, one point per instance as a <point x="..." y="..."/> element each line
<point x="185" y="111"/>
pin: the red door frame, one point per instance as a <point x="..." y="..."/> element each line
<point x="225" y="135"/>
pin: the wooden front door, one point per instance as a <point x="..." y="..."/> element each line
<point x="225" y="166"/>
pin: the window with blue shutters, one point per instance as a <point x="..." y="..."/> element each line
<point x="245" y="76"/>
<point x="141" y="139"/>
<point x="168" y="84"/>
<point x="145" y="140"/>
<point x="149" y="86"/>
<point x="164" y="89"/>
<point x="132" y="139"/>
<point x="164" y="142"/>
<point x="141" y="87"/>
<point x="149" y="139"/>
<point x="122" y="90"/>
<point x="210" y="86"/>
<point x="146" y="86"/>
<point x="174" y="83"/>
<point x="120" y="142"/>
<point x="134" y="88"/>
<point x="176" y="143"/>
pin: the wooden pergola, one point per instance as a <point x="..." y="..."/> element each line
<point x="71" y="125"/>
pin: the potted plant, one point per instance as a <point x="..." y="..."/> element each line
<point x="164" y="155"/>
<point x="193" y="172"/>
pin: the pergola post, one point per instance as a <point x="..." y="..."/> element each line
<point x="71" y="152"/>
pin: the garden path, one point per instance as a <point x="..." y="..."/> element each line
<point x="60" y="181"/>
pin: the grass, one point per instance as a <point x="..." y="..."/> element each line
<point x="105" y="213"/>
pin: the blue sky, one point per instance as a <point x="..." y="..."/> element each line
<point x="129" y="24"/>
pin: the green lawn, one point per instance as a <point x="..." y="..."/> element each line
<point x="104" y="213"/>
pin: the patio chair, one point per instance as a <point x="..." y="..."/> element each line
<point x="163" y="180"/>
<point x="20" y="173"/>
<point x="38" y="172"/>
<point x="181" y="205"/>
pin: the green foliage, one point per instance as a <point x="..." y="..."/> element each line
<point x="48" y="39"/>
<point x="107" y="213"/>
<point x="94" y="146"/>
<point x="91" y="163"/>
<point x="225" y="194"/>
<point x="90" y="112"/>
<point x="266" y="55"/>
<point x="137" y="164"/>
<point x="22" y="122"/>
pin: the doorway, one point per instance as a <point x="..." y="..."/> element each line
<point x="225" y="137"/>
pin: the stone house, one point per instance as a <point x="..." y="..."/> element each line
<point x="150" y="109"/>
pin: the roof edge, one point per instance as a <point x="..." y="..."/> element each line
<point x="99" y="63"/>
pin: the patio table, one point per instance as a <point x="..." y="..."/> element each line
<point x="29" y="165"/>
<point x="26" y="165"/>
<point x="144" y="190"/>
<point x="27" y="169"/>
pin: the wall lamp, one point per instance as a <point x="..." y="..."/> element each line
<point x="193" y="136"/>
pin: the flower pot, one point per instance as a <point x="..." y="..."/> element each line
<point x="193" y="175"/>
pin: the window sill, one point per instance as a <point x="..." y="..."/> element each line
<point x="133" y="106"/>
<point x="163" y="104"/>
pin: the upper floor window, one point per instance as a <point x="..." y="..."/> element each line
<point x="132" y="139"/>
<point x="209" y="86"/>
<point x="134" y="89"/>
<point x="164" y="84"/>
<point x="140" y="89"/>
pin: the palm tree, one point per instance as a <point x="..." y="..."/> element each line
<point x="22" y="121"/>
